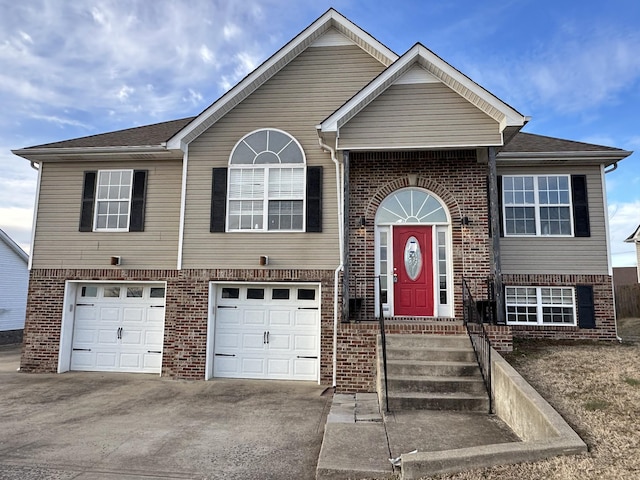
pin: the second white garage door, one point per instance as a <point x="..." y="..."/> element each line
<point x="267" y="331"/>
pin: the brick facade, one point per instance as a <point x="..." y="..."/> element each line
<point x="374" y="176"/>
<point x="186" y="313"/>
<point x="602" y="299"/>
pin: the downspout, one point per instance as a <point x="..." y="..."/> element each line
<point x="35" y="212"/>
<point x="336" y="273"/>
<point x="603" y="172"/>
<point x="183" y="203"/>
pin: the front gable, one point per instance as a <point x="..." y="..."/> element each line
<point x="421" y="102"/>
<point x="418" y="114"/>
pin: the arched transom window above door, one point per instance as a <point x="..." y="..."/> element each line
<point x="412" y="206"/>
<point x="267" y="180"/>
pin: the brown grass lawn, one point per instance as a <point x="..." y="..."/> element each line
<point x="596" y="388"/>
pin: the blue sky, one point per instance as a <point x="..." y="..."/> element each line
<point x="75" y="68"/>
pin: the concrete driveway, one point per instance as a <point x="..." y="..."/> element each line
<point x="128" y="426"/>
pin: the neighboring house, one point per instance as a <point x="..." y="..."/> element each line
<point x="635" y="238"/>
<point x="14" y="282"/>
<point x="261" y="238"/>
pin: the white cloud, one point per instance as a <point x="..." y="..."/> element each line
<point x="124" y="92"/>
<point x="206" y="54"/>
<point x="230" y="31"/>
<point x="60" y="121"/>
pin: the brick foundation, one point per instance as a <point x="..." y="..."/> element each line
<point x="186" y="313"/>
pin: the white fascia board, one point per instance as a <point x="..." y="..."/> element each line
<point x="512" y="116"/>
<point x="269" y="68"/>
<point x="577" y="158"/>
<point x="53" y="154"/>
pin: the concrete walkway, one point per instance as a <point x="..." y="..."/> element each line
<point x="358" y="441"/>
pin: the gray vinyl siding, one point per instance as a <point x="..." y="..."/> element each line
<point x="59" y="244"/>
<point x="557" y="255"/>
<point x="638" y="260"/>
<point x="14" y="281"/>
<point x="295" y="100"/>
<point x="419" y="115"/>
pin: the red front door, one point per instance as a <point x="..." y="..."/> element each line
<point x="413" y="271"/>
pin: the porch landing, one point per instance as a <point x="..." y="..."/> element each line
<point x="359" y="441"/>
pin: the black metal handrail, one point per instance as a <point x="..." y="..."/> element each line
<point x="383" y="340"/>
<point x="479" y="338"/>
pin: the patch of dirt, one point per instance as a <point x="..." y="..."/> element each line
<point x="596" y="388"/>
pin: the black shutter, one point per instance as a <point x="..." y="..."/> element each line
<point x="580" y="201"/>
<point x="489" y="206"/>
<point x="218" y="199"/>
<point x="88" y="200"/>
<point x="314" y="199"/>
<point x="500" y="200"/>
<point x="586" y="310"/>
<point x="138" y="195"/>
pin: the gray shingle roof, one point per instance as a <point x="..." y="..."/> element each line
<point x="528" y="142"/>
<point x="155" y="134"/>
<point x="159" y="133"/>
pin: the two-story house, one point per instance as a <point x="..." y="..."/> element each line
<point x="336" y="182"/>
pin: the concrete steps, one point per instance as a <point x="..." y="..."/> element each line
<point x="434" y="372"/>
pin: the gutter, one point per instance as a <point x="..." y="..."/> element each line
<point x="340" y="199"/>
<point x="37" y="154"/>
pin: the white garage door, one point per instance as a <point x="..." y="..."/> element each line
<point x="118" y="328"/>
<point x="267" y="331"/>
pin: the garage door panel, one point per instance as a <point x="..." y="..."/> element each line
<point x="306" y="318"/>
<point x="280" y="342"/>
<point x="253" y="341"/>
<point x="153" y="337"/>
<point x="132" y="336"/>
<point x="131" y="360"/>
<point x="82" y="360"/>
<point x="305" y="368"/>
<point x="228" y="317"/>
<point x="279" y="367"/>
<point x="253" y="318"/>
<point x="107" y="336"/>
<point x="253" y="366"/>
<point x="155" y="316"/>
<point x="85" y="336"/>
<point x="86" y="313"/>
<point x="279" y="318"/>
<point x="305" y="343"/>
<point x="109" y="314"/>
<point x="134" y="315"/>
<point x="152" y="361"/>
<point x="228" y="341"/>
<point x="106" y="360"/>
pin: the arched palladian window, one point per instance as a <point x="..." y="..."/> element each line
<point x="417" y="207"/>
<point x="266" y="189"/>
<point x="411" y="205"/>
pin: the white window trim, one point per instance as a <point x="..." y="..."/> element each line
<point x="268" y="167"/>
<point x="97" y="199"/>
<point x="539" y="305"/>
<point x="536" y="206"/>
